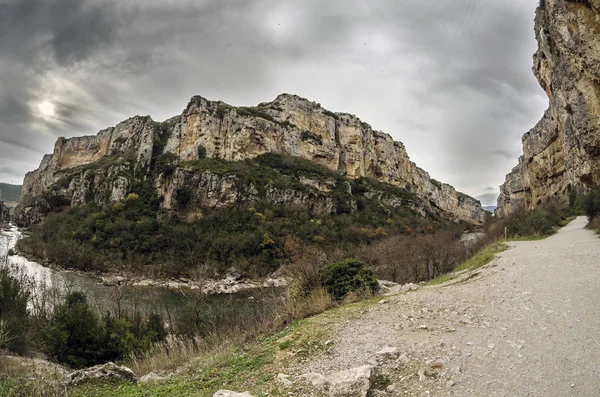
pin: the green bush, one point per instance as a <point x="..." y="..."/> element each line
<point x="592" y="204"/>
<point x="309" y="136"/>
<point x="73" y="336"/>
<point x="347" y="276"/>
<point x="201" y="152"/>
<point x="166" y="164"/>
<point x="14" y="317"/>
<point x="76" y="336"/>
<point x="538" y="222"/>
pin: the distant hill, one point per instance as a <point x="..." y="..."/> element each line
<point x="10" y="192"/>
<point x="489" y="208"/>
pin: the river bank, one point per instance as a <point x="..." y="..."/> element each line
<point x="232" y="283"/>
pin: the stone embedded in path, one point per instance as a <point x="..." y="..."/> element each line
<point x="388" y="352"/>
<point x="317" y="380"/>
<point x="284" y="380"/>
<point x="408" y="287"/>
<point x="354" y="382"/>
<point x="229" y="393"/>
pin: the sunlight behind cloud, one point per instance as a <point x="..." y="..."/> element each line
<point x="46" y="108"/>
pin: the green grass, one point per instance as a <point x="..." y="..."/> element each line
<point x="252" y="368"/>
<point x="480" y="259"/>
<point x="236" y="370"/>
<point x="533" y="237"/>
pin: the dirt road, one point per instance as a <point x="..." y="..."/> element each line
<point x="527" y="324"/>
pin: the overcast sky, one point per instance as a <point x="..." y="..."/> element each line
<point x="451" y="79"/>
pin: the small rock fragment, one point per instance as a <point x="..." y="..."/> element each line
<point x="229" y="393"/>
<point x="317" y="380"/>
<point x="388" y="351"/>
<point x="284" y="380"/>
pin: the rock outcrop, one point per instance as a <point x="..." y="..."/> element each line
<point x="104" y="371"/>
<point x="562" y="152"/>
<point x="104" y="168"/>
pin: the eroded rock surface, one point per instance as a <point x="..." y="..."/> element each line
<point x="562" y="152"/>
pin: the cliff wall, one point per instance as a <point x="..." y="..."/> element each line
<point x="562" y="152"/>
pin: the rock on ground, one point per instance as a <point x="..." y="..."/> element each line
<point x="229" y="393"/>
<point x="104" y="371"/>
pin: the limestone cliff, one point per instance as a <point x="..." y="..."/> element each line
<point x="562" y="152"/>
<point x="105" y="167"/>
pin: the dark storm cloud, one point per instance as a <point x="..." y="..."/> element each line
<point x="65" y="31"/>
<point x="451" y="79"/>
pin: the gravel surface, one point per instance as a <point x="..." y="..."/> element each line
<point x="527" y="324"/>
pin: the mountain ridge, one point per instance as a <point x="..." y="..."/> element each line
<point x="289" y="125"/>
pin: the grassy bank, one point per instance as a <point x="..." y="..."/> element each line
<point x="480" y="259"/>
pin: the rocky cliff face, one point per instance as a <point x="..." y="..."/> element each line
<point x="105" y="167"/>
<point x="562" y="152"/>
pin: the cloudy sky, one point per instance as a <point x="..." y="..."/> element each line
<point x="449" y="78"/>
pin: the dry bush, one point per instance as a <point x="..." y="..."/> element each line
<point x="317" y="301"/>
<point x="411" y="259"/>
<point x="167" y="356"/>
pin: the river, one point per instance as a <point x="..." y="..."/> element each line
<point x="145" y="299"/>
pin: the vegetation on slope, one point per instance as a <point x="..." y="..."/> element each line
<point x="591" y="205"/>
<point x="10" y="193"/>
<point x="137" y="235"/>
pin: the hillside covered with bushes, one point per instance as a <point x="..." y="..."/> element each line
<point x="254" y="236"/>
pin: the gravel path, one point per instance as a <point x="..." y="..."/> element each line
<point x="527" y="324"/>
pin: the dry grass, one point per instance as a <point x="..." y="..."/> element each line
<point x="179" y="352"/>
<point x="24" y="377"/>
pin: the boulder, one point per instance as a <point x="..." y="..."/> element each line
<point x="105" y="371"/>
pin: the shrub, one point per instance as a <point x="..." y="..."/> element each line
<point x="183" y="196"/>
<point x="309" y="136"/>
<point x="73" y="336"/>
<point x="347" y="276"/>
<point x="540" y="221"/>
<point x="166" y="164"/>
<point x="592" y="204"/>
<point x="76" y="336"/>
<point x="14" y="317"/>
<point x="201" y="152"/>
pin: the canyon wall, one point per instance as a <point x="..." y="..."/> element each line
<point x="562" y="152"/>
<point x="104" y="168"/>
